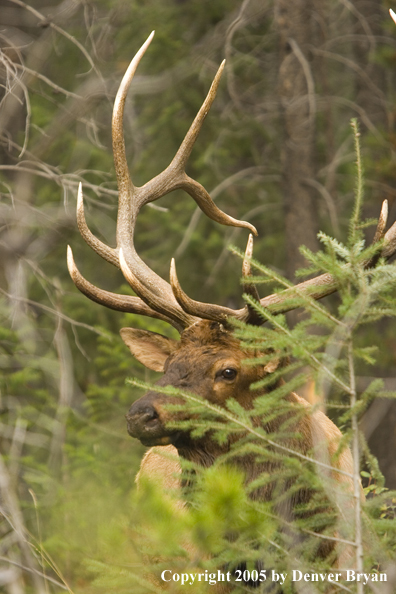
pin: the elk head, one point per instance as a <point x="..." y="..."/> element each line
<point x="208" y="359"/>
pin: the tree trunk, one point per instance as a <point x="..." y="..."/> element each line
<point x="296" y="94"/>
<point x="370" y="80"/>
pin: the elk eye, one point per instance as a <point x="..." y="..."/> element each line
<point x="229" y="373"/>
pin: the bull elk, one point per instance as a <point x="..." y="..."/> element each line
<point x="208" y="360"/>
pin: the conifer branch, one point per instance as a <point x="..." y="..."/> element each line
<point x="171" y="391"/>
<point x="316" y="363"/>
<point x="359" y="187"/>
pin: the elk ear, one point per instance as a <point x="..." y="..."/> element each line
<point x="149" y="348"/>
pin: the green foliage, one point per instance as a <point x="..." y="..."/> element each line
<point x="67" y="466"/>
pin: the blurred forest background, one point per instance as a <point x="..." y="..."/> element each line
<point x="276" y="150"/>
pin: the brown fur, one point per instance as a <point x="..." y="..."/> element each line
<point x="196" y="364"/>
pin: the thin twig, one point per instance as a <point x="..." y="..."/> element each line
<point x="53" y="312"/>
<point x="308" y="76"/>
<point x="49" y="82"/>
<point x="10" y="501"/>
<point x="36" y="571"/>
<point x="49" y="23"/>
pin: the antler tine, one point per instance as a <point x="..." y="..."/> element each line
<point x="106" y="252"/>
<point x="382" y="220"/>
<point x="184" y="151"/>
<point x="124" y="182"/>
<point x="250" y="288"/>
<point x="207" y="311"/>
<point x="174" y="176"/>
<point x="125" y="303"/>
<point x="389" y="248"/>
<point x="379" y="233"/>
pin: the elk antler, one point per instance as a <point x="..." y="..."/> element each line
<point x="155" y="296"/>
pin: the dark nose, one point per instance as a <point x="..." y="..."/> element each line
<point x="141" y="414"/>
<point x="143" y="420"/>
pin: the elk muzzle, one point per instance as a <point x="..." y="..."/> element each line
<point x="146" y="420"/>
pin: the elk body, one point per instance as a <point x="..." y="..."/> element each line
<point x="208" y="359"/>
